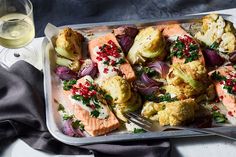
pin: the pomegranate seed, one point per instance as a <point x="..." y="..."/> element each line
<point x="215" y="108"/>
<point x="105" y="70"/>
<point x="92" y="106"/>
<point x="99" y="58"/>
<point x="230" y="113"/>
<point x="113" y="62"/>
<point x="217" y="100"/>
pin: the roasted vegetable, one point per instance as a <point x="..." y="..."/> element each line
<point x="149" y="43"/>
<point x="216" y="30"/>
<point x="65" y="73"/>
<point x="131" y="105"/>
<point x="187" y="80"/>
<point x="125" y="36"/>
<point x="118" y="88"/>
<point x="68" y="48"/>
<point x="212" y="58"/>
<point x="88" y="68"/>
<point x="69" y="44"/>
<point x="171" y="113"/>
<point x="72" y="64"/>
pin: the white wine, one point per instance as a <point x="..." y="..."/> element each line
<point x="16" y="30"/>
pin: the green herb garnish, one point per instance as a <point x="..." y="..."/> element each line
<point x="166" y="97"/>
<point x="138" y="131"/>
<point x="67" y="85"/>
<point x="106" y="62"/>
<point x="214" y="46"/>
<point x="108" y="97"/>
<point x="219" y="117"/>
<point x="77" y="125"/>
<point x="120" y="61"/>
<point x="228" y="88"/>
<point x="185" y="50"/>
<point x="94" y="113"/>
<point x="151" y="97"/>
<point x="193" y="56"/>
<point x="66" y="117"/>
<point x="60" y="108"/>
<point x="96" y="102"/>
<point x="77" y="97"/>
<point x="217" y="77"/>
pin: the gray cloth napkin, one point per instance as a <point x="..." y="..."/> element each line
<point x="22" y="115"/>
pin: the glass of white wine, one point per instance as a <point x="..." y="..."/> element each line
<point x="16" y="31"/>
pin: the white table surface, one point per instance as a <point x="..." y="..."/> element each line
<point x="185" y="147"/>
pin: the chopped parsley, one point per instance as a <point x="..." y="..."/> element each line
<point x="67" y="85"/>
<point x="219" y="117"/>
<point x="228" y="88"/>
<point x="60" y="108"/>
<point x="151" y="97"/>
<point x="149" y="71"/>
<point x="193" y="56"/>
<point x="108" y="97"/>
<point x="77" y="97"/>
<point x="77" y="125"/>
<point x="217" y="77"/>
<point x="106" y="62"/>
<point x="120" y="61"/>
<point x="96" y="102"/>
<point x="214" y="46"/>
<point x="185" y="47"/>
<point x="166" y="97"/>
<point x="138" y="131"/>
<point x="95" y="113"/>
<point x="66" y="116"/>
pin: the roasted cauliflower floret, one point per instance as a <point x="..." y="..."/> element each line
<point x="149" y="43"/>
<point x="69" y="44"/>
<point x="131" y="105"/>
<point x="187" y="80"/>
<point x="171" y="113"/>
<point x="118" y="88"/>
<point x="216" y="29"/>
<point x="182" y="91"/>
<point x="228" y="43"/>
<point x="68" y="48"/>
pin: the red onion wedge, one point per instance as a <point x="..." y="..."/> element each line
<point x="146" y="89"/>
<point x="65" y="73"/>
<point x="161" y="67"/>
<point x="70" y="131"/>
<point x="232" y="57"/>
<point x="88" y="68"/>
<point x="125" y="42"/>
<point x="125" y="36"/>
<point x="212" y="58"/>
<point x="148" y="81"/>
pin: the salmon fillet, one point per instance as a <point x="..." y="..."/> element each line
<point x="92" y="125"/>
<point x="228" y="100"/>
<point x="172" y="31"/>
<point x="125" y="68"/>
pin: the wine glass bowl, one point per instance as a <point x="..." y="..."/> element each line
<point x="16" y="30"/>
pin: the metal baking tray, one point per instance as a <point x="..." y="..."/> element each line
<point x="53" y="119"/>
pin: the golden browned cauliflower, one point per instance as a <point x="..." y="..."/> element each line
<point x="216" y="29"/>
<point x="131" y="105"/>
<point x="69" y="44"/>
<point x="187" y="80"/>
<point x="171" y="113"/>
<point x="118" y="88"/>
<point x="149" y="43"/>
